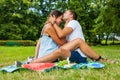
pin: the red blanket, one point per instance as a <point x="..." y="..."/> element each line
<point x="38" y="66"/>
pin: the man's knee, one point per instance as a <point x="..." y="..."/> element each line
<point x="64" y="50"/>
<point x="58" y="51"/>
<point x="64" y="53"/>
<point x="80" y="41"/>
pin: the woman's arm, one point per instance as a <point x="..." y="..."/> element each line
<point x="51" y="31"/>
<point x="37" y="49"/>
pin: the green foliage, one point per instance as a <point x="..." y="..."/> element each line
<point x="108" y="19"/>
<point x="24" y="19"/>
<point x="28" y="17"/>
<point x="9" y="31"/>
<point x="18" y="21"/>
<point x="17" y="43"/>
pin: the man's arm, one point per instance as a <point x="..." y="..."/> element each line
<point x="62" y="32"/>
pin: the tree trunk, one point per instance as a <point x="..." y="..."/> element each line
<point x="106" y="40"/>
<point x="113" y="38"/>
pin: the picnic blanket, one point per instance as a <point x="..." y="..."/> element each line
<point x="11" y="68"/>
<point x="50" y="66"/>
<point x="39" y="66"/>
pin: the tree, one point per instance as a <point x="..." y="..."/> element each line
<point x="109" y="18"/>
<point x="15" y="15"/>
<point x="28" y="17"/>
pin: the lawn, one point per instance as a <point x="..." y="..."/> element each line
<point x="8" y="55"/>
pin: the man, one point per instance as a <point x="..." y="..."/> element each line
<point x="72" y="49"/>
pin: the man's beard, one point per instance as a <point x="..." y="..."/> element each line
<point x="64" y="19"/>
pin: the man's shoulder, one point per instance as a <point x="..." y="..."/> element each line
<point x="73" y="21"/>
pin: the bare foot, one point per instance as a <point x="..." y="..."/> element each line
<point x="107" y="61"/>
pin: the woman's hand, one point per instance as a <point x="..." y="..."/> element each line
<point x="53" y="19"/>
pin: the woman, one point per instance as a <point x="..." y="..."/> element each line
<point x="49" y="40"/>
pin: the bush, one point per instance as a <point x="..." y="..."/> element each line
<point x="17" y="43"/>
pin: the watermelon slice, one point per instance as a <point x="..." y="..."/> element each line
<point x="38" y="66"/>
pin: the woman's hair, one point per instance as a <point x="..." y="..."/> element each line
<point x="55" y="13"/>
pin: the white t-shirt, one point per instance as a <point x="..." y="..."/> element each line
<point x="77" y="33"/>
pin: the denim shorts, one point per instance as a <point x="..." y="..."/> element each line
<point x="77" y="58"/>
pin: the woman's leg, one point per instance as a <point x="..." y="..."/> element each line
<point x="59" y="53"/>
<point x="79" y="43"/>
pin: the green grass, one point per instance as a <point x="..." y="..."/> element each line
<point x="9" y="54"/>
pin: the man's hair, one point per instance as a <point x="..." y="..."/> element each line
<point x="73" y="13"/>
